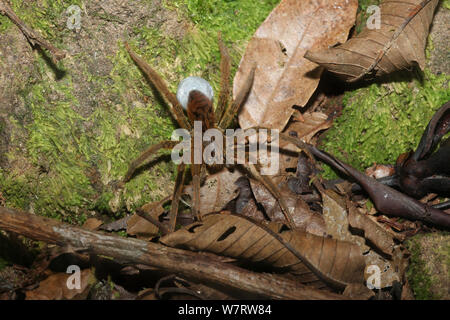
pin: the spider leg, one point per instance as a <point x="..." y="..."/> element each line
<point x="176" y="196"/>
<point x="233" y="109"/>
<point x="225" y="72"/>
<point x="144" y="156"/>
<point x="196" y="172"/>
<point x="174" y="106"/>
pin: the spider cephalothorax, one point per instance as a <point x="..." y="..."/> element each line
<point x="196" y="96"/>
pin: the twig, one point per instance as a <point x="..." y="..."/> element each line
<point x="30" y="34"/>
<point x="187" y="264"/>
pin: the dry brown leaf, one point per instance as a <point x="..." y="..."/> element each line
<point x="398" y="44"/>
<point x="140" y="227"/>
<point x="378" y="236"/>
<point x="55" y="287"/>
<point x="317" y="260"/>
<point x="116" y="225"/>
<point x="283" y="77"/>
<point x="217" y="191"/>
<point x="335" y="215"/>
<point x="304" y="219"/>
<point x="312" y="123"/>
<point x="358" y="291"/>
<point x="92" y="224"/>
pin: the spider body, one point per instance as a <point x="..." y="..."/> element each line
<point x="200" y="108"/>
<point x="198" y="102"/>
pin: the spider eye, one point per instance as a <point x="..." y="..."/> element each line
<point x="193" y="83"/>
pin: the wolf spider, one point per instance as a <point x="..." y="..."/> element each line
<point x="199" y="108"/>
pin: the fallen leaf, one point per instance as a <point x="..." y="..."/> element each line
<point x="140" y="227"/>
<point x="312" y="123"/>
<point x="315" y="260"/>
<point x="283" y="77"/>
<point x="55" y="287"/>
<point x="399" y="43"/>
<point x="92" y="224"/>
<point x="358" y="291"/>
<point x="217" y="190"/>
<point x="378" y="236"/>
<point x="304" y="219"/>
<point x="116" y="225"/>
<point x="378" y="171"/>
<point x="335" y="215"/>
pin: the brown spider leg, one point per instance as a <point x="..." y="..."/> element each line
<point x="225" y="72"/>
<point x="196" y="172"/>
<point x="144" y="156"/>
<point x="233" y="109"/>
<point x="176" y="196"/>
<point x="174" y="106"/>
<point x="267" y="182"/>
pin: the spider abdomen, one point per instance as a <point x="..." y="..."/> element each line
<point x="200" y="108"/>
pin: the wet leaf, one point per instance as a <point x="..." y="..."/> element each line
<point x="315" y="260"/>
<point x="427" y="170"/>
<point x="398" y="44"/>
<point x="283" y="77"/>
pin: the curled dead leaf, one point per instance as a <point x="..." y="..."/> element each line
<point x="315" y="260"/>
<point x="397" y="44"/>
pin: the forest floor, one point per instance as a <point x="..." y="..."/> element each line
<point x="69" y="131"/>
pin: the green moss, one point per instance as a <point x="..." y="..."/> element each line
<point x="16" y="190"/>
<point x="446" y="4"/>
<point x="237" y="20"/>
<point x="5" y="23"/>
<point x="74" y="159"/>
<point x="418" y="274"/>
<point x="382" y="121"/>
<point x="429" y="271"/>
